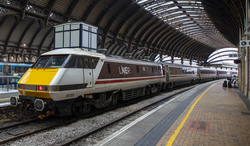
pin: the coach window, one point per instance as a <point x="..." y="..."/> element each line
<point x="17" y="69"/>
<point x="145" y="69"/>
<point x="137" y="69"/>
<point x="109" y="69"/>
<point x="25" y="69"/>
<point x="22" y="69"/>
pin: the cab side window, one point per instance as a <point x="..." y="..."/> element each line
<point x="94" y="62"/>
<point x="82" y="62"/>
<point x="87" y="63"/>
<point x="73" y="62"/>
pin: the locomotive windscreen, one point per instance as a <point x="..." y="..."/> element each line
<point x="50" y="61"/>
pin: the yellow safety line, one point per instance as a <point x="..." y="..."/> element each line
<point x="4" y="99"/>
<point x="172" y="138"/>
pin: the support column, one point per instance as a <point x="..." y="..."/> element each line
<point x="239" y="65"/>
<point x="246" y="57"/>
<point x="172" y="59"/>
<point x="182" y="60"/>
<point x="242" y="86"/>
<point x="160" y="57"/>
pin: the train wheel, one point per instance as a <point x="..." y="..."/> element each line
<point x="170" y="86"/>
<point x="114" y="99"/>
<point x="154" y="88"/>
<point x="148" y="91"/>
<point x="159" y="87"/>
<point x="78" y="111"/>
<point x="80" y="108"/>
<point x="164" y="86"/>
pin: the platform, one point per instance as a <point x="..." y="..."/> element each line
<point x="207" y="115"/>
<point x="5" y="96"/>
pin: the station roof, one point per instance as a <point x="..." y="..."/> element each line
<point x="185" y="28"/>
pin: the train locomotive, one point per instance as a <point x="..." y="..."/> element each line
<point x="67" y="81"/>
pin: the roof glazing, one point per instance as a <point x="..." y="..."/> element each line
<point x="188" y="17"/>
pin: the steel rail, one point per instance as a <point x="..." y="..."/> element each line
<point x="94" y="113"/>
<point x="19" y="123"/>
<point x="119" y="119"/>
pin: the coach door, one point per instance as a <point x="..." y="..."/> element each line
<point x="88" y="72"/>
<point x="167" y="73"/>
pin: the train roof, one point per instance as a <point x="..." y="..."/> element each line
<point x="78" y="51"/>
<point x="73" y="51"/>
<point x="180" y="65"/>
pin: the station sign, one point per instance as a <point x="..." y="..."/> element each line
<point x="245" y="43"/>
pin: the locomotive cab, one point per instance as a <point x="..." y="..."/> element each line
<point x="52" y="83"/>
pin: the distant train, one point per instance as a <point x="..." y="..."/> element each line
<point x="12" y="69"/>
<point x="180" y="74"/>
<point x="9" y="69"/>
<point x="71" y="81"/>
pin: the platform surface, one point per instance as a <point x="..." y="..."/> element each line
<point x="195" y="118"/>
<point x="5" y="96"/>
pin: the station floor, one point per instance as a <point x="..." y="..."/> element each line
<point x="5" y="96"/>
<point x="207" y="115"/>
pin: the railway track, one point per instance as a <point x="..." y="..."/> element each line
<point x="119" y="119"/>
<point x="70" y="120"/>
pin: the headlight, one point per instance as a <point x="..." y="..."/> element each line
<point x="39" y="104"/>
<point x="13" y="101"/>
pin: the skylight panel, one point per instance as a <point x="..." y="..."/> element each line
<point x="167" y="3"/>
<point x="169" y="14"/>
<point x="150" y="6"/>
<point x="177" y="17"/>
<point x="142" y="1"/>
<point x="188" y="22"/>
<point x="194" y="15"/>
<point x="188" y="25"/>
<point x="183" y="1"/>
<point x="191" y="28"/>
<point x="172" y="8"/>
<point x="181" y="20"/>
<point x="158" y="11"/>
<point x="191" y="11"/>
<point x="187" y="7"/>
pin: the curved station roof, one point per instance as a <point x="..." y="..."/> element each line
<point x="187" y="29"/>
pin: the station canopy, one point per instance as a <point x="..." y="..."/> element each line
<point x="140" y="29"/>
